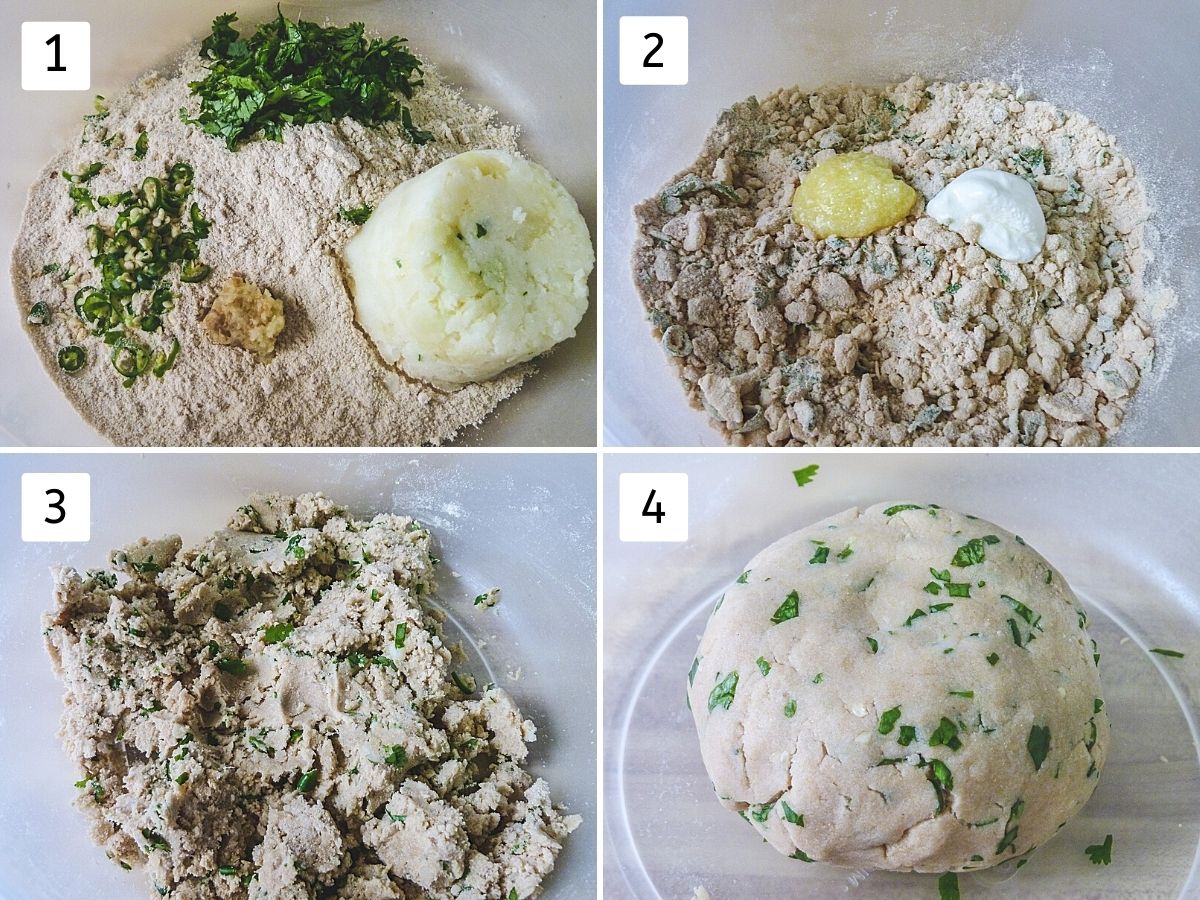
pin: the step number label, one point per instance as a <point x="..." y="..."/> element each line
<point x="654" y="49"/>
<point x="654" y="506"/>
<point x="56" y="506"/>
<point x="56" y="56"/>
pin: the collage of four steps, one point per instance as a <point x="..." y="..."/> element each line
<point x="676" y="450"/>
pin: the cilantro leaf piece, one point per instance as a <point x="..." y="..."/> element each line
<point x="788" y="609"/>
<point x="887" y="721"/>
<point x="692" y="671"/>
<point x="789" y="709"/>
<point x="820" y="556"/>
<point x="948" y="887"/>
<point x="356" y="215"/>
<point x="1038" y="745"/>
<point x="1101" y="854"/>
<point x="802" y="856"/>
<point x="763" y="666"/>
<point x="297" y="73"/>
<point x="908" y="734"/>
<point x="741" y="579"/>
<point x="873" y="644"/>
<point x="1175" y="654"/>
<point x="972" y="553"/>
<point x="277" y="633"/>
<point x="900" y="507"/>
<point x="945" y="735"/>
<point x="1009" y="841"/>
<point x="790" y="815"/>
<point x="722" y="694"/>
<point x="942" y="779"/>
<point x="806" y="475"/>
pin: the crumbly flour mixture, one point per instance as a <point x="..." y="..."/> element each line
<point x="275" y="221"/>
<point x="274" y="713"/>
<point x="913" y="335"/>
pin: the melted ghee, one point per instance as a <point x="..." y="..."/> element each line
<point x="851" y="195"/>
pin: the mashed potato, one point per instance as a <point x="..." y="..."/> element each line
<point x="476" y="265"/>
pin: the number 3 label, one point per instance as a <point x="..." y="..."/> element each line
<point x="653" y="506"/>
<point x="56" y="56"/>
<point x="654" y="49"/>
<point x="56" y="506"/>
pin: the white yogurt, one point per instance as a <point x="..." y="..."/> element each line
<point x="1005" y="208"/>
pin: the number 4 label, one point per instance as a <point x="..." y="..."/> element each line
<point x="56" y="56"/>
<point x="653" y="506"/>
<point x="654" y="49"/>
<point x="56" y="506"/>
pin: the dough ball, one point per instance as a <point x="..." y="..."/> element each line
<point x="904" y="688"/>
<point x="471" y="267"/>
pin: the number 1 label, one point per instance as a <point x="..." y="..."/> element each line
<point x="653" y="506"/>
<point x="56" y="56"/>
<point x="653" y="49"/>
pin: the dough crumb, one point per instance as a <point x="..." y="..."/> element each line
<point x="273" y="713"/>
<point x="488" y="598"/>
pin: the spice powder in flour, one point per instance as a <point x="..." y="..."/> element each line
<point x="913" y="335"/>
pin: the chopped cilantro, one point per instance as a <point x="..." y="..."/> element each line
<point x="1101" y="854"/>
<point x="722" y="694"/>
<point x="788" y="609"/>
<point x="993" y="658"/>
<point x="900" y="507"/>
<point x="401" y="634"/>
<point x="789" y="709"/>
<point x="887" y="721"/>
<point x="806" y="475"/>
<point x="945" y="735"/>
<point x="908" y="734"/>
<point x="1175" y="654"/>
<point x="790" y="815"/>
<point x="820" y="556"/>
<point x="873" y="644"/>
<point x="741" y="579"/>
<point x="298" y="73"/>
<point x="1038" y="745"/>
<point x="948" y="887"/>
<point x="763" y="666"/>
<point x="356" y="215"/>
<point x="972" y="552"/>
<point x="277" y="633"/>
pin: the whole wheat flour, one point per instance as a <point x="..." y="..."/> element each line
<point x="275" y="714"/>
<point x="913" y="335"/>
<point x="274" y="209"/>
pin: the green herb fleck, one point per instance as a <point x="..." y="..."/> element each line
<point x="305" y="782"/>
<point x="790" y="815"/>
<point x="277" y="633"/>
<point x="945" y="735"/>
<point x="233" y="666"/>
<point x="901" y="507"/>
<point x="763" y="666"/>
<point x="972" y="552"/>
<point x="789" y="609"/>
<point x="802" y="856"/>
<point x="741" y="579"/>
<point x="993" y="658"/>
<point x="1101" y="854"/>
<point x="887" y="721"/>
<point x="142" y="145"/>
<point x="789" y="709"/>
<point x="948" y="887"/>
<point x="1174" y="654"/>
<point x="806" y="475"/>
<point x="873" y="644"/>
<point x="722" y="694"/>
<point x="1038" y="745"/>
<point x="357" y="215"/>
<point x="908" y="734"/>
<point x="395" y="755"/>
<point x="1009" y="841"/>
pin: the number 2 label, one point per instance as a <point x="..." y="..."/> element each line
<point x="653" y="49"/>
<point x="56" y="506"/>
